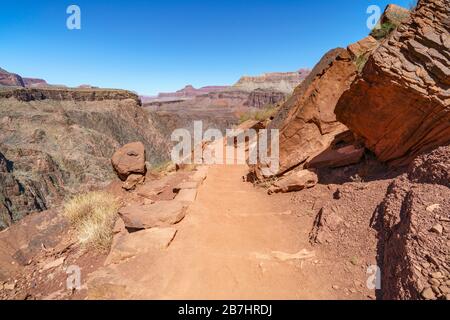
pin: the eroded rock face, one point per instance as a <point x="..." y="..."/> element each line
<point x="414" y="224"/>
<point x="395" y="14"/>
<point x="262" y="98"/>
<point x="307" y="122"/>
<point x="10" y="79"/>
<point x="433" y="167"/>
<point x="362" y="47"/>
<point x="22" y="194"/>
<point x="400" y="103"/>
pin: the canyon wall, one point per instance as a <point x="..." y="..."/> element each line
<point x="55" y="142"/>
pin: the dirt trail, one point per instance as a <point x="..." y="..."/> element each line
<point x="235" y="243"/>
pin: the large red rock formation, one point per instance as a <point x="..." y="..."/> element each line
<point x="400" y="103"/>
<point x="307" y="121"/>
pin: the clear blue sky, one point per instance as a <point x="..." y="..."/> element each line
<point x="162" y="45"/>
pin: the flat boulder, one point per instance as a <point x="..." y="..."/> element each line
<point x="295" y="181"/>
<point x="142" y="242"/>
<point x="187" y="195"/>
<point x="130" y="159"/>
<point x="335" y="158"/>
<point x="159" y="214"/>
<point x="186" y="185"/>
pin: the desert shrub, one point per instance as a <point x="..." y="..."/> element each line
<point x="383" y="31"/>
<point x="361" y="62"/>
<point x="93" y="216"/>
<point x="161" y="167"/>
<point x="258" y="115"/>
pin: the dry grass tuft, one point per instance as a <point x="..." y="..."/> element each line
<point x="93" y="216"/>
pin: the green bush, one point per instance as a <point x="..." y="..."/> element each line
<point x="383" y="31"/>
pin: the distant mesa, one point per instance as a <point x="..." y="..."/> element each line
<point x="35" y="83"/>
<point x="8" y="79"/>
<point x="280" y="81"/>
<point x="87" y="86"/>
<point x="190" y="92"/>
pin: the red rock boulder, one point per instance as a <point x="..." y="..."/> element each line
<point x="130" y="159"/>
<point x="307" y="122"/>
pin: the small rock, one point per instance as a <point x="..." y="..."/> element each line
<point x="335" y="287"/>
<point x="444" y="289"/>
<point x="132" y="181"/>
<point x="337" y="195"/>
<point x="437" y="275"/>
<point x="428" y="294"/>
<point x="437" y="229"/>
<point x="54" y="264"/>
<point x="433" y="207"/>
<point x="372" y="297"/>
<point x="9" y="286"/>
<point x="435" y="290"/>
<point x="434" y="282"/>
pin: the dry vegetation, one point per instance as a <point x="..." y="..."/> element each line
<point x="93" y="216"/>
<point x="259" y="115"/>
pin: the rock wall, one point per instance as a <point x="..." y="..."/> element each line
<point x="262" y="98"/>
<point x="400" y="103"/>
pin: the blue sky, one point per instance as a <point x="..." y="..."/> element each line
<point x="162" y="45"/>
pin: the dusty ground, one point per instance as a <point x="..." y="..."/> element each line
<point x="236" y="242"/>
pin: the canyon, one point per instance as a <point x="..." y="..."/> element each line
<point x="363" y="182"/>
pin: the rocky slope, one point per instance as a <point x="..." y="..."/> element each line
<point x="58" y="141"/>
<point x="413" y="224"/>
